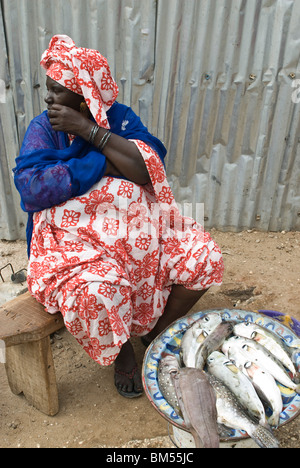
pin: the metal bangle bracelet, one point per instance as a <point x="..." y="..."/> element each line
<point x="104" y="140"/>
<point x="93" y="134"/>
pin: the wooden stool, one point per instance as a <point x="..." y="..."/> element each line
<point x="25" y="328"/>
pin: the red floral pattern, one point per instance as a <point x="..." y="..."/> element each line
<point x="125" y="189"/>
<point x="70" y="218"/>
<point x="108" y="269"/>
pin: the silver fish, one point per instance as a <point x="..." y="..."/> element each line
<point x="210" y="321"/>
<point x="195" y="335"/>
<point x="198" y="405"/>
<point x="167" y="367"/>
<point x="212" y="343"/>
<point x="268" y="339"/>
<point x="240" y="385"/>
<point x="232" y="414"/>
<point x="263" y="382"/>
<point x="191" y="342"/>
<point x="267" y="389"/>
<point x="256" y="353"/>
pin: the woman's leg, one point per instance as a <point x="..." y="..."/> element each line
<point x="127" y="376"/>
<point x="128" y="380"/>
<point x="180" y="302"/>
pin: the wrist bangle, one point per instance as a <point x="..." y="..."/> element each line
<point x="104" y="140"/>
<point x="93" y="134"/>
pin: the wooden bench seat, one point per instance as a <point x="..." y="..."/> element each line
<point x="25" y="328"/>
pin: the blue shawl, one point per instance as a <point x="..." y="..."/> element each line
<point x="50" y="171"/>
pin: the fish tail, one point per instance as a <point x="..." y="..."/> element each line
<point x="264" y="438"/>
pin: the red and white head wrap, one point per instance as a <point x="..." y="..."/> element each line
<point x="83" y="71"/>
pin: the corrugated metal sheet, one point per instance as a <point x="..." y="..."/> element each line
<point x="212" y="78"/>
<point x="12" y="220"/>
<point x="222" y="96"/>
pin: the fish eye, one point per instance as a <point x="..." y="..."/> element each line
<point x="207" y="319"/>
<point x="247" y="364"/>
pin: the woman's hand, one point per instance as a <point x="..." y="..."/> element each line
<point x="123" y="156"/>
<point x="65" y="119"/>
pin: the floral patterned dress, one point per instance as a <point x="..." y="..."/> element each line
<point x="107" y="259"/>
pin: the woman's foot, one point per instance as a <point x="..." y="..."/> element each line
<point x="128" y="379"/>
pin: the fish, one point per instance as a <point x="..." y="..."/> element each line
<point x="191" y="342"/>
<point x="231" y="413"/>
<point x="267" y="389"/>
<point x="167" y="367"/>
<point x="188" y="391"/>
<point x="195" y="335"/>
<point x="198" y="405"/>
<point x="263" y="382"/>
<point x="269" y="340"/>
<point x="210" y="321"/>
<point x="212" y="343"/>
<point x="238" y="382"/>
<point x="259" y="355"/>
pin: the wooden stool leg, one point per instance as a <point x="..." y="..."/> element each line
<point x="30" y="370"/>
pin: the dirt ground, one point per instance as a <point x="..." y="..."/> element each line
<point x="261" y="272"/>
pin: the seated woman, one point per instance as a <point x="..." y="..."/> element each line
<point x="107" y="245"/>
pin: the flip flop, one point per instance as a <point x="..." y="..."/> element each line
<point x="130" y="376"/>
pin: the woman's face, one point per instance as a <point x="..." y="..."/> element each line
<point x="58" y="94"/>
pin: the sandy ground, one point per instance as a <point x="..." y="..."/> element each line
<point x="261" y="272"/>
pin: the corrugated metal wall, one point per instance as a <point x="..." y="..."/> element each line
<point x="223" y="92"/>
<point x="212" y="78"/>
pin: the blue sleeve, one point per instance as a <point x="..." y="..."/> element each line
<point x="44" y="186"/>
<point x="48" y="172"/>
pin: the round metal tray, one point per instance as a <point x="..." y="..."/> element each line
<point x="169" y="341"/>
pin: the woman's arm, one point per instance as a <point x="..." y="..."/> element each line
<point x="123" y="156"/>
<point x="49" y="172"/>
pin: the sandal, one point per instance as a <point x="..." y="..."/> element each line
<point x="130" y="376"/>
